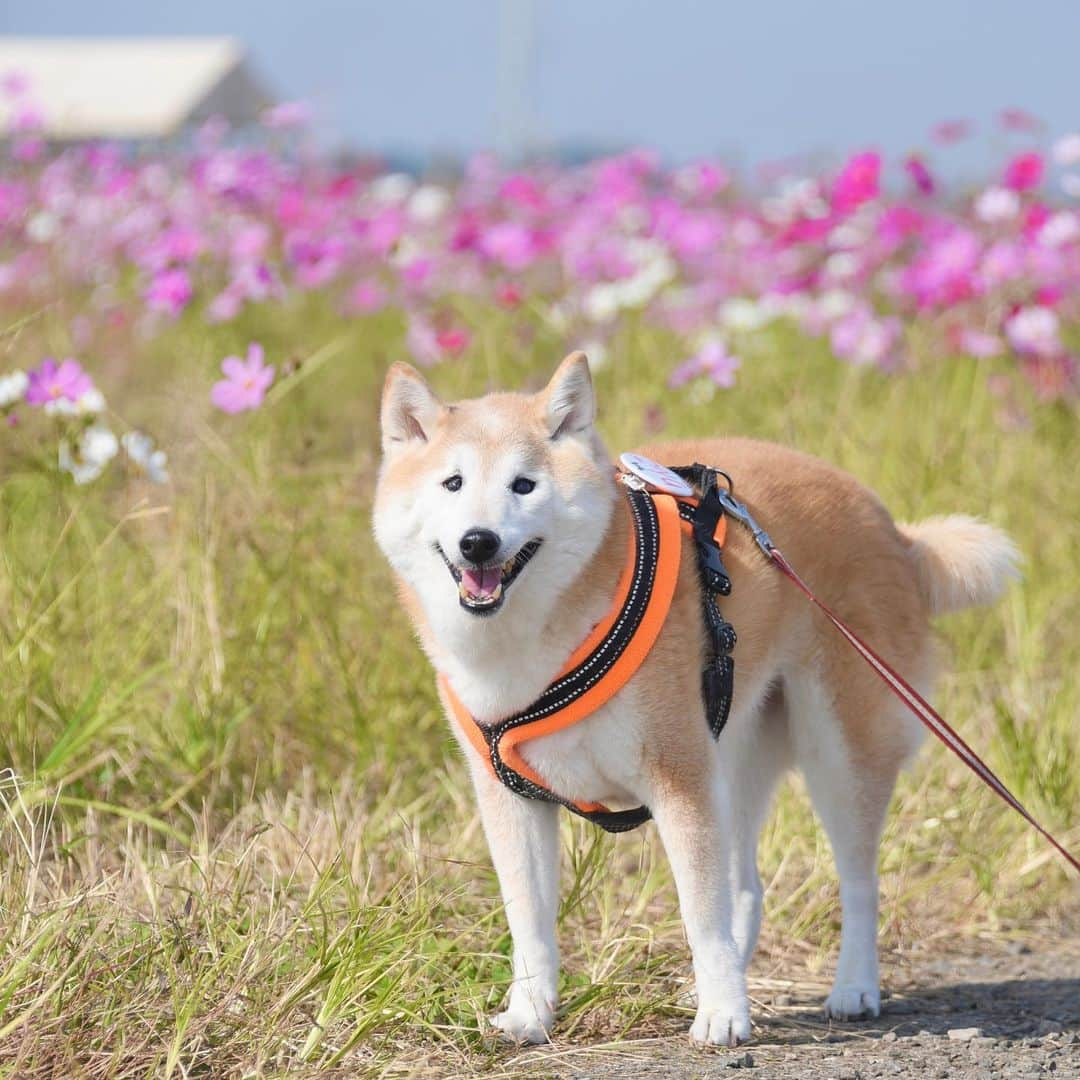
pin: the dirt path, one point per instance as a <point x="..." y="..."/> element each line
<point x="1008" y="1012"/>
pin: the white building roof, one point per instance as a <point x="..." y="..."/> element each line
<point x="131" y="88"/>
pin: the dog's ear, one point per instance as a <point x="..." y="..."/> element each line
<point x="409" y="408"/>
<point x="568" y="400"/>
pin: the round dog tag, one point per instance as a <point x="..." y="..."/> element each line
<point x="656" y="476"/>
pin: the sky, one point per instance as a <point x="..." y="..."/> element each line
<point x="755" y="82"/>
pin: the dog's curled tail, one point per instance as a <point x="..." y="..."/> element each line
<point x="960" y="561"/>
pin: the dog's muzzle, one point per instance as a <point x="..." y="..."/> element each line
<point x="482" y="589"/>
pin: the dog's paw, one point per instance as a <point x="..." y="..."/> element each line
<point x="522" y="1027"/>
<point x="721" y="1026"/>
<point x="853" y="1002"/>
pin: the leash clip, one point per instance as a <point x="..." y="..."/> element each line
<point x="741" y="514"/>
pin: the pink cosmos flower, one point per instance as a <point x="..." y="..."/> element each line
<point x="27" y="117"/>
<point x="366" y="297"/>
<point x="1018" y="120"/>
<point x="14" y="83"/>
<point x="169" y="292"/>
<point x="508" y="295"/>
<point x="53" y="382"/>
<point x="510" y="244"/>
<point x="288" y="114"/>
<point x="422" y="341"/>
<point x="916" y="168"/>
<point x="453" y="341"/>
<point x="1024" y="172"/>
<point x="858" y="182"/>
<point x="979" y="344"/>
<point x="245" y="383"/>
<point x="865" y="340"/>
<point x="713" y="360"/>
<point x="950" y="131"/>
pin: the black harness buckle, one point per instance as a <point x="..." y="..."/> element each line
<point x="718" y="674"/>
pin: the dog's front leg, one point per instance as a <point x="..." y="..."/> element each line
<point x="523" y="836"/>
<point x="693" y="825"/>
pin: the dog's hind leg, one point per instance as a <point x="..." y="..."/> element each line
<point x="850" y="790"/>
<point x="692" y="814"/>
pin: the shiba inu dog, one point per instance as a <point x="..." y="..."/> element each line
<point x="508" y="533"/>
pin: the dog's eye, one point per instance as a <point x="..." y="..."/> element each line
<point x="522" y="485"/>
<point x="452" y="483"/>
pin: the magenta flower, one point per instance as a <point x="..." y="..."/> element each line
<point x="169" y="292"/>
<point x="916" y="168"/>
<point x="453" y="341"/>
<point x="54" y="382"/>
<point x="245" y="383"/>
<point x="1024" y="172"/>
<point x="858" y="181"/>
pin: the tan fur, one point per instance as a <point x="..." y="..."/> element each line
<point x="846" y="547"/>
<point x="960" y="561"/>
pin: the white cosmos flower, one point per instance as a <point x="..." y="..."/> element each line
<point x="392" y="188"/>
<point x="97" y="446"/>
<point x="90" y="403"/>
<point x="996" y="205"/>
<point x="1034" y="330"/>
<point x="1060" y="229"/>
<point x="835" y="303"/>
<point x="741" y="314"/>
<point x="13" y="388"/>
<point x="1067" y="149"/>
<point x="139" y="447"/>
<point x="42" y="227"/>
<point x="428" y="203"/>
<point x="601" y="303"/>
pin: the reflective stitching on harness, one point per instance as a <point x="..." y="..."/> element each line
<point x="641" y="600"/>
<point x="612" y="647"/>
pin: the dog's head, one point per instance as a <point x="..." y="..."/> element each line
<point x="492" y="505"/>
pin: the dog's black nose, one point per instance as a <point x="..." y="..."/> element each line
<point x="479" y="545"/>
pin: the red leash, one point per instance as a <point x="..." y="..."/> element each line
<point x="899" y="686"/>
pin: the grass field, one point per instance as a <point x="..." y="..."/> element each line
<point x="236" y="840"/>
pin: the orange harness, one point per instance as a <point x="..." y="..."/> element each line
<point x="606" y="660"/>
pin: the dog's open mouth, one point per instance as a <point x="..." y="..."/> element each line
<point x="481" y="589"/>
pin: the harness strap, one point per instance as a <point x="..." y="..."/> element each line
<point x="598" y="669"/>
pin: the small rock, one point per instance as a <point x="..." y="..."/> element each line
<point x="964" y="1034"/>
<point x="889" y="1036"/>
<point x="743" y="1061"/>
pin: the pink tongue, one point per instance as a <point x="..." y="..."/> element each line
<point x="481" y="582"/>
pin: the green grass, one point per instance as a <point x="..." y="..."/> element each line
<point x="240" y="843"/>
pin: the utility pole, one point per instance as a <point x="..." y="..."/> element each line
<point x="516" y="45"/>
